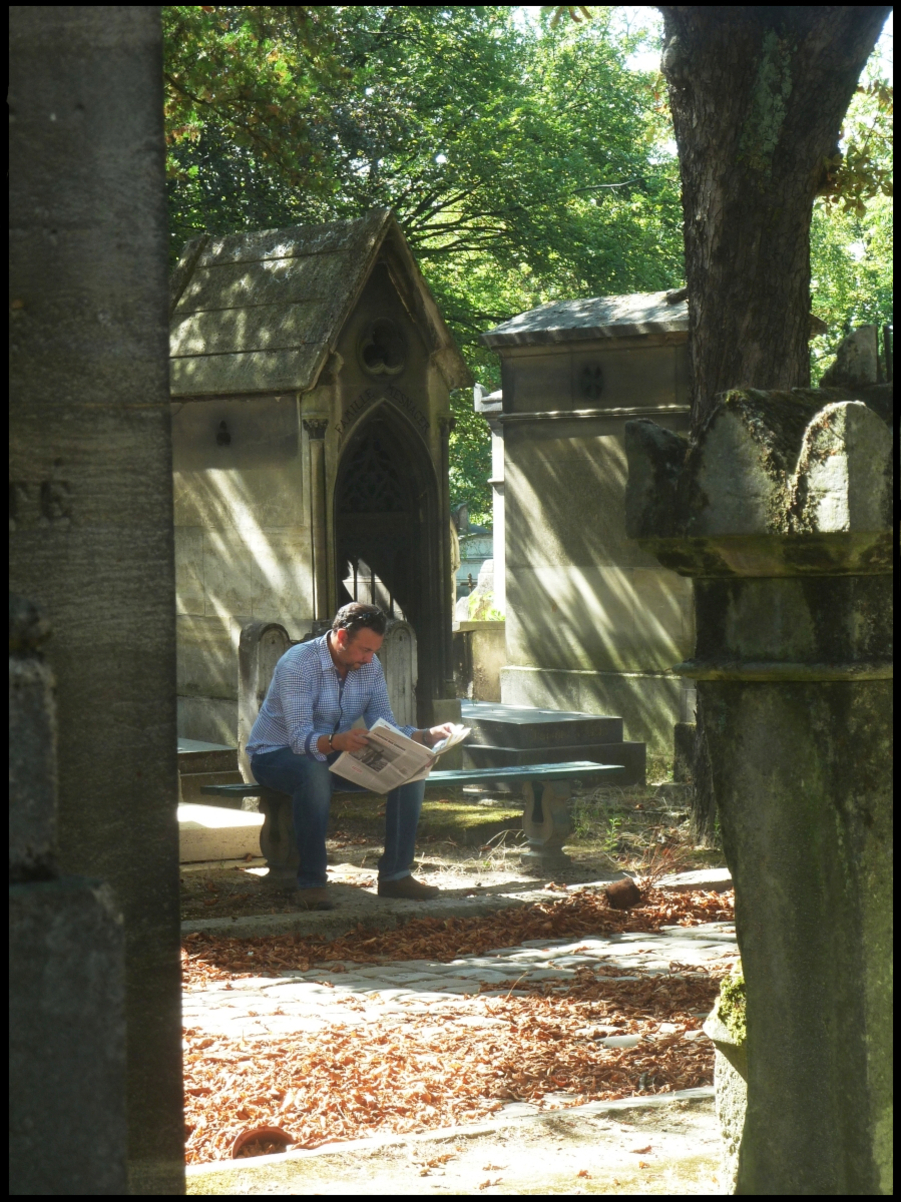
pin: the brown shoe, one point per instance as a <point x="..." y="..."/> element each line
<point x="314" y="899"/>
<point x="409" y="889"/>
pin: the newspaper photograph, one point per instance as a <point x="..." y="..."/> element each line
<point x="390" y="758"/>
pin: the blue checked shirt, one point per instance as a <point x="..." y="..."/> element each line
<point x="307" y="699"/>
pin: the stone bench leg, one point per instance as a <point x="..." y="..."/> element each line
<point x="277" y="841"/>
<point x="547" y="823"/>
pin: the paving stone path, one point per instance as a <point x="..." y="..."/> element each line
<point x="316" y="999"/>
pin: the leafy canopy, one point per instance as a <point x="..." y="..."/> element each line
<point x="525" y="161"/>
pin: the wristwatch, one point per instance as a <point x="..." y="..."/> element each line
<point x="331" y="742"/>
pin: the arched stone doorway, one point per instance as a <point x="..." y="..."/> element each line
<point x="388" y="536"/>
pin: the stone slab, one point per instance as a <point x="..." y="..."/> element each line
<point x="208" y="832"/>
<point x="631" y="756"/>
<point x="515" y="726"/>
<point x="191" y="786"/>
<point x="196" y="755"/>
<point x="714" y="879"/>
<point x="648" y="701"/>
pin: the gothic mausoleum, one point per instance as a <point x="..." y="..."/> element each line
<point x="593" y="623"/>
<point x="310" y="375"/>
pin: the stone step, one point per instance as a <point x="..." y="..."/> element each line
<point x="214" y="833"/>
<point x="201" y="764"/>
<point x="496" y="725"/>
<point x="632" y="756"/>
<point x="191" y="785"/>
<point x="195" y="756"/>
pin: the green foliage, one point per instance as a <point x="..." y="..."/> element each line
<point x="852" y="230"/>
<point x="524" y="162"/>
<point x="862" y="169"/>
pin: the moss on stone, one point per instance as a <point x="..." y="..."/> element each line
<point x="731" y="1008"/>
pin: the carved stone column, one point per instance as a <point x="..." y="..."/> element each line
<point x="315" y="428"/>
<point x="781" y="511"/>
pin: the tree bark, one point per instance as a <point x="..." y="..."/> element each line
<point x="758" y="95"/>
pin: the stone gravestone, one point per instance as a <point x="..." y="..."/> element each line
<point x="781" y="512"/>
<point x="398" y="659"/>
<point x="261" y="646"/>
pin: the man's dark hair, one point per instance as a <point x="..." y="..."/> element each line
<point x="359" y="616"/>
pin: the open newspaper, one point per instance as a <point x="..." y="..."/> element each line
<point x="390" y="758"/>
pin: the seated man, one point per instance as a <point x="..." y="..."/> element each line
<point x="318" y="690"/>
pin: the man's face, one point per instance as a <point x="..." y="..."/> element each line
<point x="358" y="649"/>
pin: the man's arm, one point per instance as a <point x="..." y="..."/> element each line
<point x="298" y="685"/>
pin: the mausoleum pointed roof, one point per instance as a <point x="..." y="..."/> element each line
<point x="261" y="311"/>
<point x="595" y="317"/>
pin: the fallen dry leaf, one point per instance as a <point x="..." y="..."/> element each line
<point x="641" y="1151"/>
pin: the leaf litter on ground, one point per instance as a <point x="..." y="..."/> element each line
<point x="208" y="958"/>
<point x="431" y="1070"/>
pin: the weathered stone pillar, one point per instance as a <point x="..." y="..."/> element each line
<point x="780" y="510"/>
<point x="315" y="428"/>
<point x="91" y="502"/>
<point x="66" y="1005"/>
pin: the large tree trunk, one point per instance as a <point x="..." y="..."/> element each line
<point x="758" y="95"/>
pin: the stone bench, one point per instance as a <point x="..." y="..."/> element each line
<point x="546" y="817"/>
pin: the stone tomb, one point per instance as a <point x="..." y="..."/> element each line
<point x="509" y="736"/>
<point x="594" y="622"/>
<point x="310" y="380"/>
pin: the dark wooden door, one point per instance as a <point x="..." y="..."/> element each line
<point x="386" y="534"/>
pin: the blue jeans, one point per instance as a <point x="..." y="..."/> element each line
<point x="310" y="784"/>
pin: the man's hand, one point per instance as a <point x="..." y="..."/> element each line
<point x="434" y="735"/>
<point x="350" y="740"/>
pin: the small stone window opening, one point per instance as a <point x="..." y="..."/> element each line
<point x="591" y="382"/>
<point x="382" y="349"/>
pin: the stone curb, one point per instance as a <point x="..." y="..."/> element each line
<point x="701" y="1094"/>
<point x="377" y="914"/>
<point x="358" y="907"/>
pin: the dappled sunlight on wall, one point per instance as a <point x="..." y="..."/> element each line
<point x="593" y="622"/>
<point x="601" y="619"/>
<point x="242" y="553"/>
